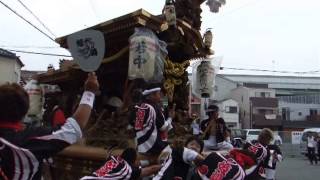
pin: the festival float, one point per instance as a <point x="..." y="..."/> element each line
<point x="139" y="45"/>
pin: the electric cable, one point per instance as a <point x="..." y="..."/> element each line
<point x="8" y="7"/>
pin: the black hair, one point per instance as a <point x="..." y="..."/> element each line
<point x="198" y="140"/>
<point x="213" y="109"/>
<point x="129" y="155"/>
<point x="137" y="96"/>
<point x="14" y="102"/>
<point x="137" y="89"/>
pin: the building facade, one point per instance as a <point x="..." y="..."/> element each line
<point x="229" y="111"/>
<point x="299" y="97"/>
<point x="258" y="107"/>
<point x="10" y="67"/>
<point x="283" y="85"/>
<point x="277" y="102"/>
<point x="299" y="112"/>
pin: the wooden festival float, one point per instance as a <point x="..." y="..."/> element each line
<point x="184" y="44"/>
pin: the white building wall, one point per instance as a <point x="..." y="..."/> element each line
<point x="230" y="118"/>
<point x="298" y="112"/>
<point x="7" y="70"/>
<point x="278" y="82"/>
<point x="17" y="71"/>
<point x="241" y="95"/>
<point x="223" y="88"/>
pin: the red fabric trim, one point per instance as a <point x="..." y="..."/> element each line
<point x="58" y="118"/>
<point x="18" y="126"/>
<point x="3" y="175"/>
<point x="242" y="159"/>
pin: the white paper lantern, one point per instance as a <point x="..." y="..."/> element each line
<point x="146" y="56"/>
<point x="142" y="57"/>
<point x="205" y="78"/>
<point x="35" y="96"/>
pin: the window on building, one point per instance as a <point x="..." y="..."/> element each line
<point x="286" y="113"/>
<point x="262" y="111"/>
<point x="263" y="94"/>
<point x="231" y="109"/>
<point x="300" y="113"/>
<point x="313" y="112"/>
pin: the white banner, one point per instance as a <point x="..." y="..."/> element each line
<point x="296" y="137"/>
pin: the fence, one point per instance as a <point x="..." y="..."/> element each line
<point x="291" y="145"/>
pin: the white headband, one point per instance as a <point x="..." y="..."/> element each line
<point x="149" y="91"/>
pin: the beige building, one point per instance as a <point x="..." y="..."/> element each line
<point x="258" y="107"/>
<point x="10" y="67"/>
<point x="229" y="111"/>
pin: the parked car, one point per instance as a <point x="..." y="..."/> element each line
<point x="251" y="135"/>
<point x="303" y="142"/>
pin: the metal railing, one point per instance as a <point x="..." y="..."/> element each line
<point x="291" y="145"/>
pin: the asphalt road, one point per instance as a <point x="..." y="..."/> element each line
<point x="297" y="168"/>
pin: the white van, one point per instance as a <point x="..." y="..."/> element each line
<point x="304" y="137"/>
<point x="251" y="134"/>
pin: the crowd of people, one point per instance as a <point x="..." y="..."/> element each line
<point x="208" y="154"/>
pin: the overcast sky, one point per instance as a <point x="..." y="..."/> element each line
<point x="260" y="34"/>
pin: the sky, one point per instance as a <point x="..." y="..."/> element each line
<point x="280" y="35"/>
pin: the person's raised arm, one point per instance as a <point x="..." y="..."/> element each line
<point x="207" y="131"/>
<point x="167" y="124"/>
<point x="82" y="113"/>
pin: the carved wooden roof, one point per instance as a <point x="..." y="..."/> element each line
<point x="127" y="22"/>
<point x="117" y="32"/>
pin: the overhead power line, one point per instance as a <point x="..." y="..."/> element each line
<point x="39" y="53"/>
<point x="5" y="5"/>
<point x="245" y="5"/>
<point x="221" y="68"/>
<point x="30" y="46"/>
<point x="38" y="19"/>
<point x="272" y="71"/>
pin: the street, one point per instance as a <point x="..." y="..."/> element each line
<point x="297" y="168"/>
